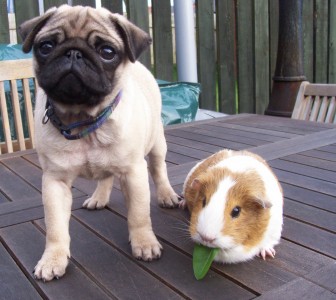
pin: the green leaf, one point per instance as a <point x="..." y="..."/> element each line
<point x="202" y="260"/>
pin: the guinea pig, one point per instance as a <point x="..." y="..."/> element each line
<point x="236" y="203"/>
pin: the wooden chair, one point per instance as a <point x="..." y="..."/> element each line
<point x="12" y="72"/>
<point x="316" y="102"/>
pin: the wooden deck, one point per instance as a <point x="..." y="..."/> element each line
<point x="302" y="154"/>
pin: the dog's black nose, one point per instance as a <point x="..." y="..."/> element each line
<point x="74" y="54"/>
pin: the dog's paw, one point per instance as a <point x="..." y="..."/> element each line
<point x="167" y="197"/>
<point x="95" y="203"/>
<point x="146" y="247"/>
<point x="51" y="265"/>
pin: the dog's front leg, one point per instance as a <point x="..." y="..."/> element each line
<point x="136" y="191"/>
<point x="57" y="200"/>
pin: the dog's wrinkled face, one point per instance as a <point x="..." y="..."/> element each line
<point x="78" y="50"/>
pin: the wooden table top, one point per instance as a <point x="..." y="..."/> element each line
<point x="302" y="155"/>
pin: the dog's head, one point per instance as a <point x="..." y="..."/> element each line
<point x="78" y="51"/>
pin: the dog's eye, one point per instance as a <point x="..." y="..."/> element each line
<point x="46" y="47"/>
<point x="235" y="212"/>
<point x="106" y="52"/>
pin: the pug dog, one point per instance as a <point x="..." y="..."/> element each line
<point x="97" y="115"/>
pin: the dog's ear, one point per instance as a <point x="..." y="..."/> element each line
<point x="135" y="39"/>
<point x="29" y="29"/>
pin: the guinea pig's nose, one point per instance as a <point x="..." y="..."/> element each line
<point x="207" y="238"/>
<point x="74" y="54"/>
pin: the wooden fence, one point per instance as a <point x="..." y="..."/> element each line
<point x="236" y="42"/>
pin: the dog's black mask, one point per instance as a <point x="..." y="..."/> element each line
<point x="73" y="73"/>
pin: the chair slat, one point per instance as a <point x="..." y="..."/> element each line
<point x="13" y="70"/>
<point x="323" y="110"/>
<point x="29" y="110"/>
<point x="331" y="114"/>
<point x="5" y="120"/>
<point x="315" y="102"/>
<point x="17" y="115"/>
<point x="306" y="108"/>
<point x="315" y="108"/>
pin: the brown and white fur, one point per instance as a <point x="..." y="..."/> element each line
<point x="236" y="204"/>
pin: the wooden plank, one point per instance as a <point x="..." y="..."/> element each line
<point x="29" y="111"/>
<point x="309" y="183"/>
<point x="261" y="48"/>
<point x="320" y="89"/>
<point x="25" y="10"/>
<point x="5" y="121"/>
<point x="321" y="41"/>
<point x="297" y="259"/>
<point x="51" y="3"/>
<point x="4" y="26"/>
<point x="115" y="6"/>
<point x="332" y="42"/>
<point x="245" y="52"/>
<point x="162" y="40"/>
<point x="27" y="171"/>
<point x="273" y="34"/>
<point x="112" y="269"/>
<point x="311" y="161"/>
<point x="309" y="236"/>
<point x="31" y="156"/>
<point x="137" y="12"/>
<point x="295" y="145"/>
<point x="174" y="268"/>
<point x="268" y="135"/>
<point x="276" y="124"/>
<point x="310" y="215"/>
<point x="14" y="187"/>
<point x="243" y="132"/>
<point x="192" y="144"/>
<point x="324" y="277"/>
<point x="13" y="284"/>
<point x="21" y="212"/>
<point x="178" y="159"/>
<point x="298" y="289"/>
<point x="258" y="275"/>
<point x="3" y="199"/>
<point x="31" y="174"/>
<point x="209" y="140"/>
<point x="308" y="38"/>
<point x="17" y="115"/>
<point x="16" y="69"/>
<point x="222" y="135"/>
<point x="26" y="242"/>
<point x="330" y="148"/>
<point x="226" y="59"/>
<point x="186" y="151"/>
<point x="305" y="170"/>
<point x="206" y="53"/>
<point x="320" y="154"/>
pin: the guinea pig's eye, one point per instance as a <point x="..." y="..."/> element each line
<point x="204" y="202"/>
<point x="106" y="52"/>
<point x="235" y="212"/>
<point x="46" y="47"/>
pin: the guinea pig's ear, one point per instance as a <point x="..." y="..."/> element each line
<point x="196" y="185"/>
<point x="29" y="29"/>
<point x="136" y="40"/>
<point x="265" y="203"/>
